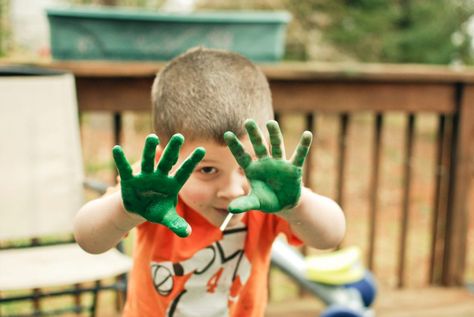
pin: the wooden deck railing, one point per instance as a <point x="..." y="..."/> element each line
<point x="348" y="90"/>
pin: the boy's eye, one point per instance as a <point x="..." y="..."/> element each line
<point x="207" y="170"/>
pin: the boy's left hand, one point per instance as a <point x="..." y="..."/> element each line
<point x="275" y="181"/>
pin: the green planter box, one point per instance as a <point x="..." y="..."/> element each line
<point x="124" y="34"/>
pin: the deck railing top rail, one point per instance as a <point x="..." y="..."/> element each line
<point x="278" y="71"/>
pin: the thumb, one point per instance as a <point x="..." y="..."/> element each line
<point x="174" y="222"/>
<point x="245" y="203"/>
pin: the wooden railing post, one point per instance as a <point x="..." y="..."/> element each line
<point x="461" y="170"/>
<point x="440" y="203"/>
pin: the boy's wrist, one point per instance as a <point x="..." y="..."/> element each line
<point x="134" y="219"/>
<point x="290" y="214"/>
<point x="126" y="220"/>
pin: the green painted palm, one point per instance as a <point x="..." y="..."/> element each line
<point x="153" y="194"/>
<point x="275" y="181"/>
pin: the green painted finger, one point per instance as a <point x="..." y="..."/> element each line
<point x="149" y="151"/>
<point x="123" y="166"/>
<point x="170" y="153"/>
<point x="302" y="149"/>
<point x="172" y="220"/>
<point x="243" y="204"/>
<point x="276" y="139"/>
<point x="242" y="157"/>
<point x="256" y="138"/>
<point x="176" y="224"/>
<point x="185" y="170"/>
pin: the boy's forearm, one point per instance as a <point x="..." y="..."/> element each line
<point x="317" y="220"/>
<point x="102" y="223"/>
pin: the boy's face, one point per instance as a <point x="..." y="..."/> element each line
<point x="215" y="182"/>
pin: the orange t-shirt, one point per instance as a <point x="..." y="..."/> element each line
<point x="210" y="273"/>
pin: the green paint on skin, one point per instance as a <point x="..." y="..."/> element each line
<point x="275" y="182"/>
<point x="170" y="153"/>
<point x="303" y="149"/>
<point x="148" y="159"/>
<point x="237" y="149"/>
<point x="276" y="139"/>
<point x="153" y="194"/>
<point x="256" y="138"/>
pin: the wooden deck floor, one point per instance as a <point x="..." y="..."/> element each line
<point x="426" y="302"/>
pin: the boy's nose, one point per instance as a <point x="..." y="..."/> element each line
<point x="236" y="185"/>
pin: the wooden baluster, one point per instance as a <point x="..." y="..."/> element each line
<point x="342" y="149"/>
<point x="440" y="203"/>
<point x="374" y="188"/>
<point x="309" y="169"/>
<point x="277" y="117"/>
<point x="307" y="177"/>
<point x="409" y="141"/>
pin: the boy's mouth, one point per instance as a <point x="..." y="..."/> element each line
<point x="222" y="210"/>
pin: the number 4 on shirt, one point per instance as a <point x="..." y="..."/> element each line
<point x="214" y="280"/>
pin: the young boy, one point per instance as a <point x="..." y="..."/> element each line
<point x="184" y="265"/>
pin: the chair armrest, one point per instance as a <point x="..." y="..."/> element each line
<point x="97" y="186"/>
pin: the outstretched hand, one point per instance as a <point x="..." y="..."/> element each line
<point x="153" y="194"/>
<point x="275" y="181"/>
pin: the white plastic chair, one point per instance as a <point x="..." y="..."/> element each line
<point x="41" y="188"/>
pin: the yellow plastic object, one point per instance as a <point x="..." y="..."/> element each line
<point x="335" y="268"/>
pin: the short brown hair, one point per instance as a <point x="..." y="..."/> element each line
<point x="206" y="92"/>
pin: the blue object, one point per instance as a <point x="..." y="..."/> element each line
<point x="101" y="33"/>
<point x="366" y="287"/>
<point x="342" y="300"/>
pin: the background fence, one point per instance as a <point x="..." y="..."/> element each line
<point x="393" y="147"/>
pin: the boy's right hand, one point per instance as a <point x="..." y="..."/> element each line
<point x="153" y="194"/>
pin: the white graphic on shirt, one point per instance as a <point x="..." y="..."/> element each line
<point x="215" y="270"/>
